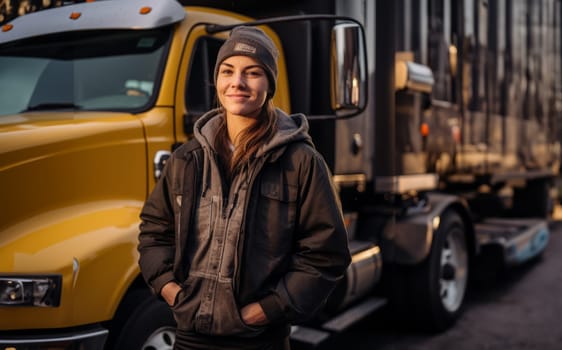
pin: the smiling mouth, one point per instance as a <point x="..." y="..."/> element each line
<point x="238" y="97"/>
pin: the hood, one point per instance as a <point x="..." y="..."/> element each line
<point x="205" y="128"/>
<point x="290" y="128"/>
<point x="53" y="160"/>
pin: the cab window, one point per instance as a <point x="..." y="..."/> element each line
<point x="200" y="88"/>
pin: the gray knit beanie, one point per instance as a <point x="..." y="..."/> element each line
<point x="251" y="42"/>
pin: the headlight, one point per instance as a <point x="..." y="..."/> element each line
<point x="30" y="290"/>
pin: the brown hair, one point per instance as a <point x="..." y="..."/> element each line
<point x="250" y="140"/>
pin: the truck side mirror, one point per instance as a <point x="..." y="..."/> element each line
<point x="348" y="88"/>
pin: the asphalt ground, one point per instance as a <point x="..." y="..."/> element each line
<point x="514" y="309"/>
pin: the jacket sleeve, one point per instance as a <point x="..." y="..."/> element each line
<point x="321" y="253"/>
<point x="156" y="238"/>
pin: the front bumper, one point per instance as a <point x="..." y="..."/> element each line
<point x="87" y="338"/>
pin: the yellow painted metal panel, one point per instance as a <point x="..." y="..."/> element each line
<point x="93" y="246"/>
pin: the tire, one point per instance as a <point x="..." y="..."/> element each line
<point x="430" y="296"/>
<point x="150" y="326"/>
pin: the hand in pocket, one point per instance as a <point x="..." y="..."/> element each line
<point x="253" y="315"/>
<point x="170" y="292"/>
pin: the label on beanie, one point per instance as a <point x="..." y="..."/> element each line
<point x="241" y="47"/>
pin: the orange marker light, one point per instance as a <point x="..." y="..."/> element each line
<point x="424" y="129"/>
<point x="75" y="15"/>
<point x="145" y="10"/>
<point x="456" y="133"/>
<point x="7" y="27"/>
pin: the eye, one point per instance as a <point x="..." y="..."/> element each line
<point x="225" y="71"/>
<point x="254" y="73"/>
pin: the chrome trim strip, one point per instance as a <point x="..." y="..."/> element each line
<point x="413" y="76"/>
<point x="75" y="270"/>
<point x="360" y="180"/>
<point x="525" y="175"/>
<point x="404" y="183"/>
<point x="97" y="333"/>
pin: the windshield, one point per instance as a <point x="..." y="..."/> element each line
<point x="117" y="70"/>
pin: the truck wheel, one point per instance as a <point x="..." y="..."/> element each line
<point x="151" y="326"/>
<point x="430" y="296"/>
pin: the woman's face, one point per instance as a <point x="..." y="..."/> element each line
<point x="242" y="86"/>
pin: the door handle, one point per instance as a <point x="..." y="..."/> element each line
<point x="160" y="159"/>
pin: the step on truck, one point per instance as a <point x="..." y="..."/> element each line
<point x="437" y="118"/>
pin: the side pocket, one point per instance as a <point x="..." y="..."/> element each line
<point x="178" y="297"/>
<point x="185" y="305"/>
<point x="227" y="319"/>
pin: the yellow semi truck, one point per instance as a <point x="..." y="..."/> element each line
<point x="433" y="164"/>
<point x="94" y="98"/>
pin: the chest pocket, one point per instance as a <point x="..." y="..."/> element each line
<point x="279" y="191"/>
<point x="279" y="182"/>
<point x="276" y="212"/>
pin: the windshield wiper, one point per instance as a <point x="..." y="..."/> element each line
<point x="52" y="106"/>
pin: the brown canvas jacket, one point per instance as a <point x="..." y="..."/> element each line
<point x="291" y="252"/>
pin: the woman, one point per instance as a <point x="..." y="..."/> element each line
<point x="243" y="234"/>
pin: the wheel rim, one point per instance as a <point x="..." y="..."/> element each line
<point x="453" y="271"/>
<point x="162" y="339"/>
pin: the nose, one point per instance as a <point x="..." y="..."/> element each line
<point x="237" y="80"/>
